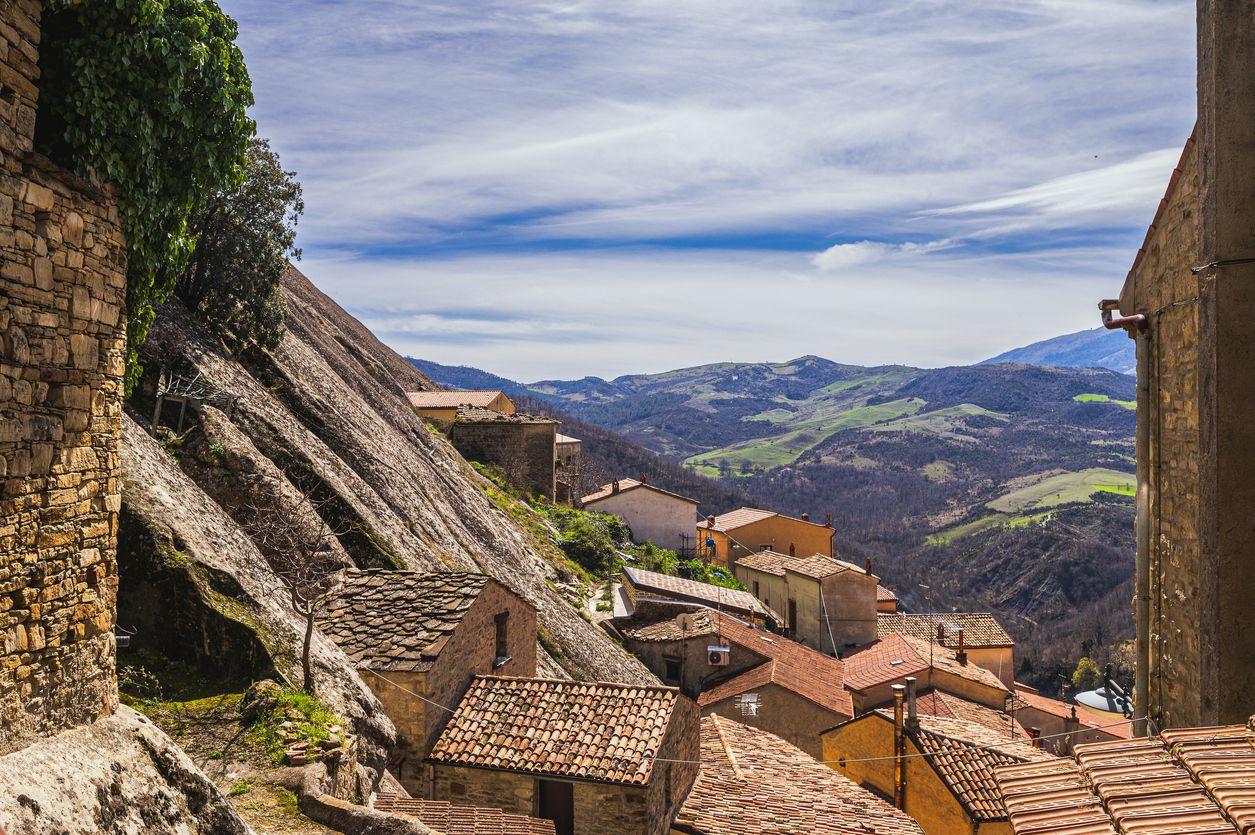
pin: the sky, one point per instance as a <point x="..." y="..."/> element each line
<point x="561" y="189"/>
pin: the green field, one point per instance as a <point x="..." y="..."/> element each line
<point x="1063" y="488"/>
<point x="782" y="450"/>
<point x="939" y="422"/>
<point x="1102" y="398"/>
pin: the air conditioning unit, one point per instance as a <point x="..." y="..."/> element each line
<point x="718" y="656"/>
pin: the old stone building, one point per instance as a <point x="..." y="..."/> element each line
<point x="428" y="634"/>
<point x="654" y="515"/>
<point x="978" y="634"/>
<point x="62" y="355"/>
<point x="1189" y="300"/>
<point x="726" y="538"/>
<point x="522" y="446"/>
<point x="640" y="585"/>
<point x="596" y="759"/>
<point x="737" y="670"/>
<point x="441" y="407"/>
<point x="753" y="782"/>
<point x="826" y="603"/>
<point x="947" y="767"/>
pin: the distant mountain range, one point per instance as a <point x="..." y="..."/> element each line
<point x="1097" y="348"/>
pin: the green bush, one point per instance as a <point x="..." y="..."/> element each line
<point x="589" y="545"/>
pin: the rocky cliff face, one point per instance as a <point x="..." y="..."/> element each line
<point x="323" y="412"/>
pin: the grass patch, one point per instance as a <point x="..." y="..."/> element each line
<point x="1131" y="405"/>
<point x="310" y="722"/>
<point x="239" y="787"/>
<point x="1064" y="488"/>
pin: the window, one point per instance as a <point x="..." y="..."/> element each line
<point x="672" y="669"/>
<point x="501" y="622"/>
<point x="766" y="547"/>
<point x="756" y="594"/>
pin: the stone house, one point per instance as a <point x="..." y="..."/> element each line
<point x="737" y="670"/>
<point x="596" y="759"/>
<point x="639" y="584"/>
<point x="62" y="360"/>
<point x="654" y="515"/>
<point x="753" y="782"/>
<point x="978" y="634"/>
<point x="724" y="539"/>
<point x="1064" y="726"/>
<point x="947" y="768"/>
<point x="871" y="672"/>
<point x="521" y="445"/>
<point x="1180" y="782"/>
<point x="568" y="462"/>
<point x="429" y="633"/>
<point x="441" y="407"/>
<point x="828" y="604"/>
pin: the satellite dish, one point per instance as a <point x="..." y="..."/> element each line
<point x="1108" y="698"/>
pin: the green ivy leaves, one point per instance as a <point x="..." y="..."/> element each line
<point x="153" y="96"/>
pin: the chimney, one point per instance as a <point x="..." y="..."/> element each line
<point x="912" y="718"/>
<point x="1034" y="734"/>
<point x="941" y="633"/>
<point x="792" y="550"/>
<point x="710" y="521"/>
<point x="961" y="655"/>
<point x="644" y="479"/>
<point x="827" y="520"/>
<point x="806" y="517"/>
<point x="899" y="749"/>
<point x="868" y="565"/>
<point x="614" y="486"/>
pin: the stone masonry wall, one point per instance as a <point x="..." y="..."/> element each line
<point x="523" y="451"/>
<point x="62" y="344"/>
<point x="1162" y="286"/>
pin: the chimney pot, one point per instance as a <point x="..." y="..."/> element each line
<point x="869" y="565"/>
<point x="710" y="520"/>
<point x="912" y="718"/>
<point x="961" y="655"/>
<point x="941" y="632"/>
<point x="806" y="517"/>
<point x="644" y="479"/>
<point x="614" y="486"/>
<point x="828" y="520"/>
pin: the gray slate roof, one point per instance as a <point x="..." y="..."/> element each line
<point x="398" y="620"/>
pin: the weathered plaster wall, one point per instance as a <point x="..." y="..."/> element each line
<point x="62" y="345"/>
<point x="653" y="516"/>
<point x="784" y="713"/>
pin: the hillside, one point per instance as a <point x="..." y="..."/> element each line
<point x="1097" y="348"/>
<point x="1000" y="486"/>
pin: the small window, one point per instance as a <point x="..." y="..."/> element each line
<point x="503" y="638"/>
<point x="756" y="594"/>
<point x="766" y="547"/>
<point x="672" y="669"/>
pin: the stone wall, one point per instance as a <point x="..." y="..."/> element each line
<point x="1162" y="286"/>
<point x="62" y="349"/>
<point x="523" y="450"/>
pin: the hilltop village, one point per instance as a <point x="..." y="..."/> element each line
<point x="295" y="587"/>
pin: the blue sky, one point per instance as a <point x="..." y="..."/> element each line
<point x="555" y="189"/>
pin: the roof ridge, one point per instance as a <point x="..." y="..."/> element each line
<point x="573" y="683"/>
<point x="727" y="748"/>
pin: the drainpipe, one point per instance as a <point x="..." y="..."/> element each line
<point x="1138" y="328"/>
<point x="899" y="748"/>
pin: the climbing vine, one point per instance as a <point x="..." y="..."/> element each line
<point x="152" y="96"/>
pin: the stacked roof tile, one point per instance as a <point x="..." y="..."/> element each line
<point x="753" y="782"/>
<point x="678" y="588"/>
<point x="1199" y="781"/>
<point x="626" y="484"/>
<point x="600" y="732"/>
<point x="817" y="567"/>
<point x="449" y="819"/>
<point x="980" y="629"/>
<point x="894" y="656"/>
<point x="679" y="628"/>
<point x="398" y="620"/>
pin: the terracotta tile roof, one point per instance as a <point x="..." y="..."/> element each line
<point x="399" y="620"/>
<point x="883" y="593"/>
<point x="791" y="666"/>
<point x="679" y="628"/>
<point x="817" y="567"/>
<point x="449" y="819"/>
<point x="737" y="519"/>
<point x="965" y="754"/>
<point x="450" y="399"/>
<point x="1197" y="781"/>
<point x="605" y="491"/>
<point x="933" y="702"/>
<point x="477" y="414"/>
<point x="896" y="656"/>
<point x="752" y="782"/>
<point x="980" y="629"/>
<point x="678" y="588"/>
<point x="1088" y="719"/>
<point x="583" y="731"/>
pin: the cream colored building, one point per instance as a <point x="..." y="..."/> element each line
<point x="979" y="634"/>
<point x="654" y="515"/>
<point x="726" y="538"/>
<point x="827" y="604"/>
<point x="441" y="407"/>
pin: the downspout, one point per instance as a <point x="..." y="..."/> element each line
<point x="1138" y="328"/>
<point x="899" y="748"/>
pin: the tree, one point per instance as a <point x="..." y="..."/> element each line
<point x="245" y="235"/>
<point x="300" y="548"/>
<point x="153" y="96"/>
<point x="1086" y="675"/>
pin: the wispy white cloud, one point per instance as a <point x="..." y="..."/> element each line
<point x="442" y="140"/>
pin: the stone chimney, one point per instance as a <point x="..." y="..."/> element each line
<point x="961" y="655"/>
<point x="614" y="486"/>
<point x="806" y="517"/>
<point x="868" y="565"/>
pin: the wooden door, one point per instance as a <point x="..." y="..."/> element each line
<point x="555" y="801"/>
